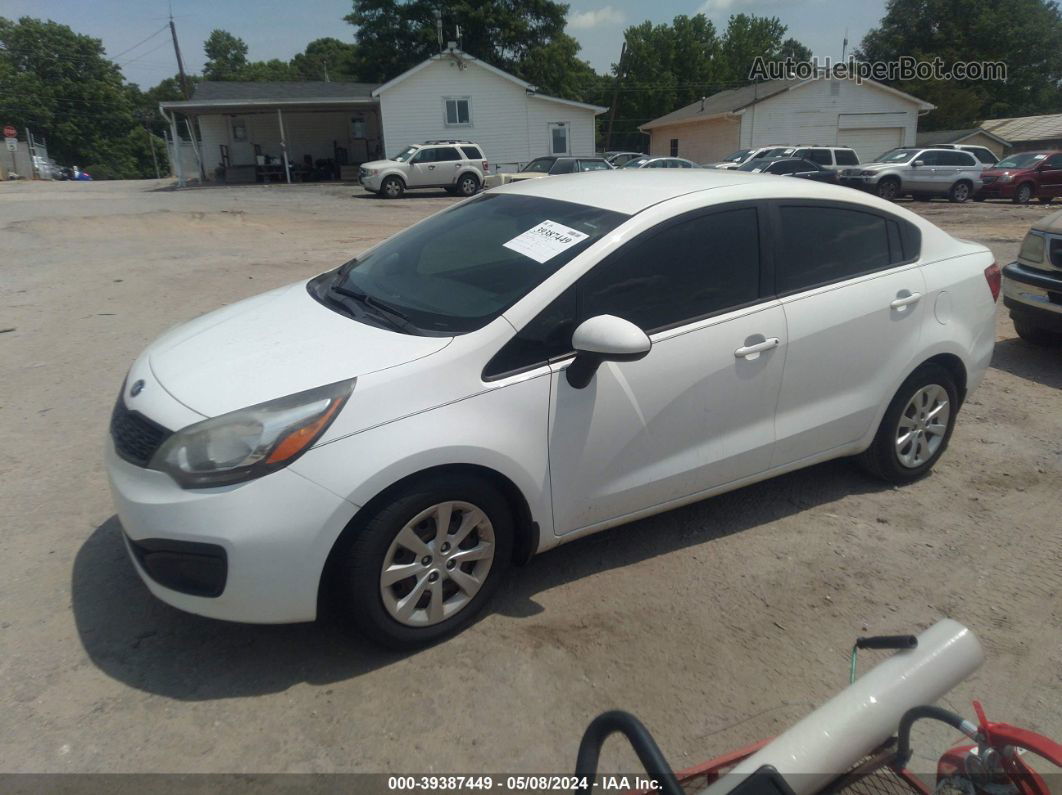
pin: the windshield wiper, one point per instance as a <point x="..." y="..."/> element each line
<point x="382" y="309"/>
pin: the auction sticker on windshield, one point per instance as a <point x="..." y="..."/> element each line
<point x="545" y="241"/>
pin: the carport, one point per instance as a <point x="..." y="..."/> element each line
<point x="274" y="132"/>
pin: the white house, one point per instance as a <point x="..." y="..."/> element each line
<point x="313" y="130"/>
<point x="869" y="117"/>
<point x="453" y="95"/>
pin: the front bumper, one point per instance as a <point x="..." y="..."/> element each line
<point x="865" y="183"/>
<point x="996" y="190"/>
<point x="253" y="552"/>
<point x="1033" y="295"/>
<point x="369" y="181"/>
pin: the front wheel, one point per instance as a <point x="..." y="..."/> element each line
<point x="889" y="189"/>
<point x="392" y="188"/>
<point x="1023" y="194"/>
<point x="916" y="428"/>
<point x="421" y="567"/>
<point x="959" y="192"/>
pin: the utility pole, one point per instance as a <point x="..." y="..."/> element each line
<point x="151" y="143"/>
<point x="615" y="98"/>
<point x="180" y="63"/>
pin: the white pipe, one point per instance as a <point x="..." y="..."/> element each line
<point x="864" y="715"/>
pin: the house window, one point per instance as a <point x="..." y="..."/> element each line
<point x="558" y="138"/>
<point x="674" y="147"/>
<point x="239" y="130"/>
<point x="458" y="111"/>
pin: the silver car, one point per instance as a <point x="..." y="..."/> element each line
<point x="918" y="172"/>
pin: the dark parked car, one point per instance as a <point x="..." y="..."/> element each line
<point x="565" y="165"/>
<point x="791" y="167"/>
<point x="1032" y="284"/>
<point x="1022" y="177"/>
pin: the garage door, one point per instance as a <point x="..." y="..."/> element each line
<point x="871" y="142"/>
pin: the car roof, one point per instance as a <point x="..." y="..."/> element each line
<point x="630" y="191"/>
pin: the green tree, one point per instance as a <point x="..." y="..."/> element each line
<point x="523" y="37"/>
<point x="60" y="84"/>
<point x="326" y="59"/>
<point x="1025" y="34"/>
<point x="226" y="56"/>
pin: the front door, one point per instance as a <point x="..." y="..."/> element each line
<point x="854" y="304"/>
<point x="422" y="169"/>
<point x="698" y="411"/>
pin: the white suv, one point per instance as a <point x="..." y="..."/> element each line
<point x="457" y="166"/>
<point x="544" y="361"/>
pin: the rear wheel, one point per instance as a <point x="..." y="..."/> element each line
<point x="392" y="188"/>
<point x="1023" y="194"/>
<point x="916" y="428"/>
<point x="468" y="185"/>
<point x="889" y="189"/>
<point x="960" y="192"/>
<point x="421" y="567"/>
<point x="1036" y="335"/>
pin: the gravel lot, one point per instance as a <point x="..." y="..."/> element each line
<point x="717" y="624"/>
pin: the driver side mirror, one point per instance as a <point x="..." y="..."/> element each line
<point x="604" y="338"/>
<point x="918" y="163"/>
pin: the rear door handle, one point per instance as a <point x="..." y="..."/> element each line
<point x="913" y="298"/>
<point x="747" y="351"/>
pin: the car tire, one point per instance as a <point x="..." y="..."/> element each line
<point x="467" y="185"/>
<point x="392" y="188"/>
<point x="1036" y="335"/>
<point x="960" y="192"/>
<point x="403" y="531"/>
<point x="889" y="189"/>
<point x="1023" y="193"/>
<point x="898" y="457"/>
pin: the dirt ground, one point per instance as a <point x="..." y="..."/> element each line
<point x="717" y="624"/>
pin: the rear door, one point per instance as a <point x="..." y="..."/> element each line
<point x="447" y="166"/>
<point x="851" y="288"/>
<point x="1051" y="176"/>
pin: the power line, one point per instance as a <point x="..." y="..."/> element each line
<point x="144" y="55"/>
<point x="142" y="41"/>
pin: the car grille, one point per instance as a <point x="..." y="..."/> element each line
<point x="986" y="180"/>
<point x="850" y="172"/>
<point x="136" y="438"/>
<point x="363" y="173"/>
<point x="1056" y="251"/>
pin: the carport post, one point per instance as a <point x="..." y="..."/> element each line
<point x="283" y="146"/>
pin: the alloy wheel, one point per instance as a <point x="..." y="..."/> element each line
<point x="468" y="186"/>
<point x="923" y="426"/>
<point x="888" y="190"/>
<point x="961" y="192"/>
<point x="392" y="188"/>
<point x="437" y="563"/>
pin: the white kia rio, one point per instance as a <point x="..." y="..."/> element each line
<point x="531" y="365"/>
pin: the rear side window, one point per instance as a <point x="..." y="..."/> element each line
<point x="846" y="157"/>
<point x="446" y="153"/>
<point x="820" y="156"/>
<point x="472" y="153"/>
<point x="828" y="244"/>
<point x="956" y="158"/>
<point x="688" y="270"/>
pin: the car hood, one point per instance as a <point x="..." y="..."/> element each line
<point x="1004" y="172"/>
<point x="380" y="164"/>
<point x="1051" y="223"/>
<point x="876" y="166"/>
<point x="272" y="345"/>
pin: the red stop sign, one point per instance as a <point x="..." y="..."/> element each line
<point x="10" y="132"/>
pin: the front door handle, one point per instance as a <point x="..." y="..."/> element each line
<point x="431" y="168"/>
<point x="899" y="303"/>
<point x="747" y="351"/>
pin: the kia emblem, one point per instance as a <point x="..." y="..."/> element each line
<point x="137" y="388"/>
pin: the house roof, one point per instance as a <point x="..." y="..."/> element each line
<point x="1026" y="128"/>
<point x="935" y="137"/>
<point x="734" y="100"/>
<point x="310" y="89"/>
<point x="463" y="58"/>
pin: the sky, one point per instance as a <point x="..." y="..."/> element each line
<point x="281" y="28"/>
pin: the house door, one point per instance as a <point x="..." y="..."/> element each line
<point x="559" y="143"/>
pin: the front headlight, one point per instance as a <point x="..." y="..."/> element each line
<point x="1032" y="248"/>
<point x="867" y="173"/>
<point x="372" y="172"/>
<point x="1007" y="178"/>
<point x="248" y="443"/>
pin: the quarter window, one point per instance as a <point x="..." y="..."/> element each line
<point x="458" y="112"/>
<point x="690" y="269"/>
<point x="472" y="152"/>
<point x="984" y="155"/>
<point x="828" y="244"/>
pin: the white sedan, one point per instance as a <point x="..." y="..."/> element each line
<point x="534" y="364"/>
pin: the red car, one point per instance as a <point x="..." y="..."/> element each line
<point x="1023" y="176"/>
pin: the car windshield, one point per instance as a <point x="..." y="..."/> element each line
<point x="593" y="165"/>
<point x="758" y="164"/>
<point x="458" y="270"/>
<point x="636" y="163"/>
<point x="736" y="157"/>
<point x="898" y="155"/>
<point x="405" y="154"/>
<point x="540" y="166"/>
<point x="1023" y="160"/>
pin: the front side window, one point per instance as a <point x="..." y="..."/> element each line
<point x="1053" y="162"/>
<point x="827" y="244"/>
<point x="425" y="156"/>
<point x="453" y="273"/>
<point x="689" y="269"/>
<point x="540" y="165"/>
<point x="458" y="112"/>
